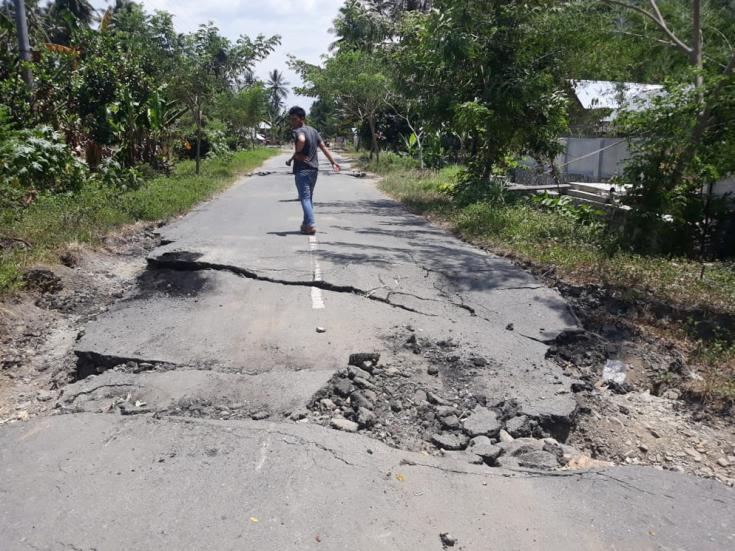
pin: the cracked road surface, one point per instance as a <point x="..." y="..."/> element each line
<point x="236" y="289"/>
<point x="229" y="306"/>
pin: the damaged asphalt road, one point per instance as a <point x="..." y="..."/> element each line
<point x="194" y="419"/>
<point x="236" y="288"/>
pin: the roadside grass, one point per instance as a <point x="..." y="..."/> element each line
<point x="582" y="254"/>
<point x="53" y="221"/>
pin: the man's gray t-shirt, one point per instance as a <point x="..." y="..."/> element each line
<point x="311" y="147"/>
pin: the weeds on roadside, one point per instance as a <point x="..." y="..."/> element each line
<point x="88" y="214"/>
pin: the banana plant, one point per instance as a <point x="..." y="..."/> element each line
<point x="162" y="114"/>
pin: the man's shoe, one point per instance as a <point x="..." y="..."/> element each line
<point x="308" y="230"/>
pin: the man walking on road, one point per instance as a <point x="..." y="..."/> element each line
<point x="305" y="159"/>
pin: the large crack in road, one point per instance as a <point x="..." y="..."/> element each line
<point x="178" y="261"/>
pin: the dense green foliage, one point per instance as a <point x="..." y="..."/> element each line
<point x="674" y="176"/>
<point x="486" y="83"/>
<point x="127" y="89"/>
<point x="36" y="155"/>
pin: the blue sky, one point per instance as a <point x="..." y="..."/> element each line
<point x="302" y="24"/>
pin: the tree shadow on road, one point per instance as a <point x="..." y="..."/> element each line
<point x="384" y="235"/>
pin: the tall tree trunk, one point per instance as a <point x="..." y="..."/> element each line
<point x="199" y="140"/>
<point x="373" y="133"/>
<point x="23" y="44"/>
<point x="697" y="57"/>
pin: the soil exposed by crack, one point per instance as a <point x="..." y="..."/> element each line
<point x="644" y="414"/>
<point x="38" y="328"/>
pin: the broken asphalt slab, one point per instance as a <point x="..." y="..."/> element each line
<point x="89" y="481"/>
<point x="195" y="392"/>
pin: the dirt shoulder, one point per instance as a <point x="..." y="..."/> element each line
<point x="39" y="327"/>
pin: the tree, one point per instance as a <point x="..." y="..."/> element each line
<point x="210" y="64"/>
<point x="395" y="9"/>
<point x="82" y="10"/>
<point x="277" y="88"/>
<point x="357" y="81"/>
<point x="277" y="91"/>
<point x="324" y="116"/>
<point x="682" y="148"/>
<point x="243" y="110"/>
<point x="409" y="110"/>
<point x="694" y="51"/>
<point x="469" y="63"/>
<point x="360" y="27"/>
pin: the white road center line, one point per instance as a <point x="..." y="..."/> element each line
<point x="317" y="300"/>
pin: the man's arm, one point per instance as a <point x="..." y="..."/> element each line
<point x="298" y="148"/>
<point x="328" y="154"/>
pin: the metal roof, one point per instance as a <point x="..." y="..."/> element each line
<point x="606" y="94"/>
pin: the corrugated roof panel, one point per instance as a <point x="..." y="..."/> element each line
<point x="605" y="94"/>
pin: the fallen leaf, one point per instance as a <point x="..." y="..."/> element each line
<point x="254" y="520"/>
<point x="400" y="477"/>
<point x="318" y="539"/>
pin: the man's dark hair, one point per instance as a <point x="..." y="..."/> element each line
<point x="298" y="111"/>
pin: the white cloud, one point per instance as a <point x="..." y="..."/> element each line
<point x="302" y="24"/>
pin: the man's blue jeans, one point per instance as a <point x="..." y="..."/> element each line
<point x="305" y="183"/>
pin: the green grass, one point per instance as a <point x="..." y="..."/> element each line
<point x="52" y="222"/>
<point x="389" y="162"/>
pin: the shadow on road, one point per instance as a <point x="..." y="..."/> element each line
<point x="285" y="233"/>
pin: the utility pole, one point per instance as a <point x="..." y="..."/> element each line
<point x="23" y="44"/>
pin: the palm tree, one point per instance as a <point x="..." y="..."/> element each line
<point x="125" y="6"/>
<point x="63" y="16"/>
<point x="396" y="8"/>
<point x="277" y="89"/>
<point x="82" y="10"/>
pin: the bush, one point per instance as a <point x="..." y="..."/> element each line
<point x="112" y="174"/>
<point x="565" y="205"/>
<point x="470" y="188"/>
<point x="218" y="145"/>
<point x="34" y="161"/>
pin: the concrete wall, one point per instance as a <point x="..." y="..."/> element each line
<point x="597" y="159"/>
<point x="725" y="186"/>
